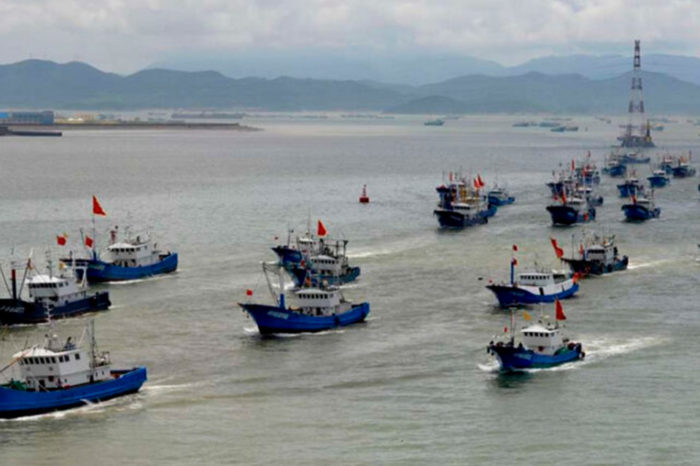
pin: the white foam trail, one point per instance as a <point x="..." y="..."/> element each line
<point x="643" y="265"/>
<point x="492" y="367"/>
<point x="251" y="330"/>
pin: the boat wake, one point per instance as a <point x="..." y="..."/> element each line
<point x="643" y="265"/>
<point x="141" y="280"/>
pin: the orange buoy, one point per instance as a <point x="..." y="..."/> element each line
<point x="364" y="198"/>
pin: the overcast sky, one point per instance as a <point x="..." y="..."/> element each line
<point x="127" y="35"/>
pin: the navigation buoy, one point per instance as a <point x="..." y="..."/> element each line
<point x="364" y="198"/>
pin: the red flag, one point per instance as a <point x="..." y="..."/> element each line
<point x="515" y="247"/>
<point x="560" y="310"/>
<point x="97" y="208"/>
<point x="505" y="329"/>
<point x="480" y="181"/>
<point x="321" y="230"/>
<point x="476" y="184"/>
<point x="61" y="240"/>
<point x="573" y="165"/>
<point x="515" y="261"/>
<point x="249" y="292"/>
<point x="580" y="250"/>
<point x="557" y="250"/>
<point x="563" y="197"/>
<point x="88" y="241"/>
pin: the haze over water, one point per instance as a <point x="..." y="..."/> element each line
<point x="413" y="385"/>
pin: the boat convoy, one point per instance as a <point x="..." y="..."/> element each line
<point x="307" y="278"/>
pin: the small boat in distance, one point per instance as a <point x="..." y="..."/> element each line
<point x="597" y="255"/>
<point x="658" y="179"/>
<point x="542" y="345"/>
<point x="435" y="122"/>
<point x="52" y="297"/>
<point x="56" y="376"/>
<point x="641" y="209"/>
<point x="570" y="210"/>
<point x="317" y="308"/>
<point x="499" y="196"/>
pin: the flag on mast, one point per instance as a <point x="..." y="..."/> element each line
<point x="321" y="229"/>
<point x="61" y="239"/>
<point x="97" y="208"/>
<point x="559" y="310"/>
<point x="89" y="241"/>
<point x="557" y="250"/>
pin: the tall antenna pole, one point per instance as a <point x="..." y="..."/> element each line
<point x="636" y="119"/>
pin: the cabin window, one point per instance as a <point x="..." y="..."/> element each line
<point x="53" y="360"/>
<point x="77" y="356"/>
<point x="51" y="378"/>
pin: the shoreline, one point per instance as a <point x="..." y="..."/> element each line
<point x="135" y="125"/>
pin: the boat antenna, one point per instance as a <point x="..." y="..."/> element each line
<point x="26" y="270"/>
<point x="7" y="287"/>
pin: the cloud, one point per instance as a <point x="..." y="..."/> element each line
<point x="124" y="35"/>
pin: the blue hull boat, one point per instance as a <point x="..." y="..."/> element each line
<point x="567" y="215"/>
<point x="586" y="267"/>
<point x="449" y="218"/>
<point x="616" y="171"/>
<point x="513" y="358"/>
<point x="17" y="311"/>
<point x="17" y="402"/>
<point x="498" y="202"/>
<point x="634" y="158"/>
<point x="658" y="181"/>
<point x="276" y="319"/>
<point x="288" y="255"/>
<point x="640" y="213"/>
<point x="683" y="171"/>
<point x="628" y="189"/>
<point x="299" y="275"/>
<point x="511" y="295"/>
<point x="100" y="271"/>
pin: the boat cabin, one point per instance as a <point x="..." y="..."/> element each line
<point x="321" y="301"/>
<point x="604" y="253"/>
<point x="135" y="253"/>
<point x="57" y="366"/>
<point x="50" y="291"/>
<point x="543" y="339"/>
<point x="535" y="279"/>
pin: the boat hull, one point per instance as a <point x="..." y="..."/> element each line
<point x="453" y="219"/>
<point x="587" y="267"/>
<point x="639" y="213"/>
<point x="567" y="215"/>
<point x="658" y="181"/>
<point x="683" y="172"/>
<point x="511" y="295"/>
<point x="616" y="171"/>
<point x="274" y="319"/>
<point x="498" y="201"/>
<point x="100" y="271"/>
<point x="15" y="311"/>
<point x="17" y="403"/>
<point x="513" y="358"/>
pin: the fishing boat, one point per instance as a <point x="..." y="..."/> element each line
<point x="683" y="169"/>
<point x="316" y="257"/>
<point x="589" y="194"/>
<point x="51" y="296"/>
<point x="317" y="308"/>
<point x="533" y="287"/>
<point x="571" y="210"/>
<point x="435" y="122"/>
<point x="461" y="206"/>
<point x="615" y="168"/>
<point x="55" y="376"/>
<point x="641" y="208"/>
<point x="597" y="255"/>
<point x="499" y="196"/>
<point x="331" y="266"/>
<point x="542" y="345"/>
<point x="632" y="186"/>
<point x="130" y="258"/>
<point x="659" y="179"/>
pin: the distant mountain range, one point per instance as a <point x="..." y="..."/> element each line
<point x="420" y="68"/>
<point x="44" y="84"/>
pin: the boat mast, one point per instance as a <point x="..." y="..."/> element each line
<point x="93" y="344"/>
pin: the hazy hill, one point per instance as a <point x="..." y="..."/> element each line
<point x="42" y="84"/>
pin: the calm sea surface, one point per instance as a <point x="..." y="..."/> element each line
<point x="413" y="385"/>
